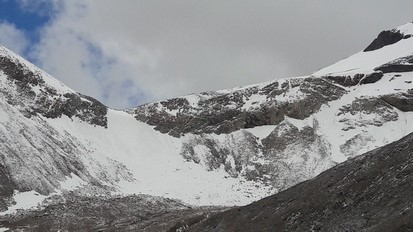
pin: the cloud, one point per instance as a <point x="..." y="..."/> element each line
<point x="129" y="52"/>
<point x="13" y="38"/>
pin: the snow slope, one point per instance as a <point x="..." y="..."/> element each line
<point x="365" y="62"/>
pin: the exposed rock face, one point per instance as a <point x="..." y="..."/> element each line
<point x="369" y="193"/>
<point x="237" y="152"/>
<point x="366" y="111"/>
<point x="221" y="112"/>
<point x="357" y="79"/>
<point x="403" y="64"/>
<point x="357" y="142"/>
<point x="293" y="155"/>
<point x="32" y="95"/>
<point x="402" y="101"/>
<point x="6" y="188"/>
<point x="386" y="38"/>
<point x="286" y="157"/>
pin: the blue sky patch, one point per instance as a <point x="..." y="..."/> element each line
<point x="26" y="19"/>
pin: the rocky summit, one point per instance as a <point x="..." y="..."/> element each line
<point x="228" y="147"/>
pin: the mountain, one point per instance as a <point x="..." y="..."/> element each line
<point x="227" y="147"/>
<point x="371" y="192"/>
<point x="285" y="131"/>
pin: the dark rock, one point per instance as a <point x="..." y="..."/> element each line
<point x="371" y="78"/>
<point x="402" y="101"/>
<point x="403" y="64"/>
<point x="48" y="102"/>
<point x="24" y="77"/>
<point x="84" y="107"/>
<point x="357" y="79"/>
<point x="7" y="187"/>
<point x="385" y="38"/>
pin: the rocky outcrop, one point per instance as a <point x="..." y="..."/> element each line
<point x="287" y="156"/>
<point x="357" y="79"/>
<point x="217" y="112"/>
<point x="7" y="187"/>
<point x="356" y="143"/>
<point x="402" y="101"/>
<point x="369" y="193"/>
<point x="237" y="153"/>
<point x="386" y="38"/>
<point x="366" y="111"/>
<point x="403" y="64"/>
<point x="34" y="96"/>
<point x="293" y="155"/>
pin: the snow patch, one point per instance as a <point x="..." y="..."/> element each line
<point x="25" y="200"/>
<point x="72" y="182"/>
<point x="261" y="132"/>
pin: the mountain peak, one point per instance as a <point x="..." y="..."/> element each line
<point x="389" y="47"/>
<point x="389" y="37"/>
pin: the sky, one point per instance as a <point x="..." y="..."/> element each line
<point x="130" y="52"/>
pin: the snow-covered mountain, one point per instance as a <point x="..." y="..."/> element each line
<point x="227" y="147"/>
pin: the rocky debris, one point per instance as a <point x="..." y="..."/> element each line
<point x="6" y="187"/>
<point x="130" y="213"/>
<point x="34" y="96"/>
<point x="356" y="143"/>
<point x="357" y="79"/>
<point x="293" y="155"/>
<point x="403" y="64"/>
<point x="402" y="101"/>
<point x="366" y="111"/>
<point x="286" y="157"/>
<point x="371" y="192"/>
<point x="236" y="153"/>
<point x="216" y="112"/>
<point x="83" y="107"/>
<point x="386" y="38"/>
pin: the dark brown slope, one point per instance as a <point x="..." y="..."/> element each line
<point x="373" y="192"/>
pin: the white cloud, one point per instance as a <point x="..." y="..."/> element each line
<point x="13" y="38"/>
<point x="131" y="51"/>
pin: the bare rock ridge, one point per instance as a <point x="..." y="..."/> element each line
<point x="386" y="38"/>
<point x="369" y="193"/>
<point x="48" y="101"/>
<point x="219" y="113"/>
<point x="357" y="79"/>
<point x="402" y="64"/>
